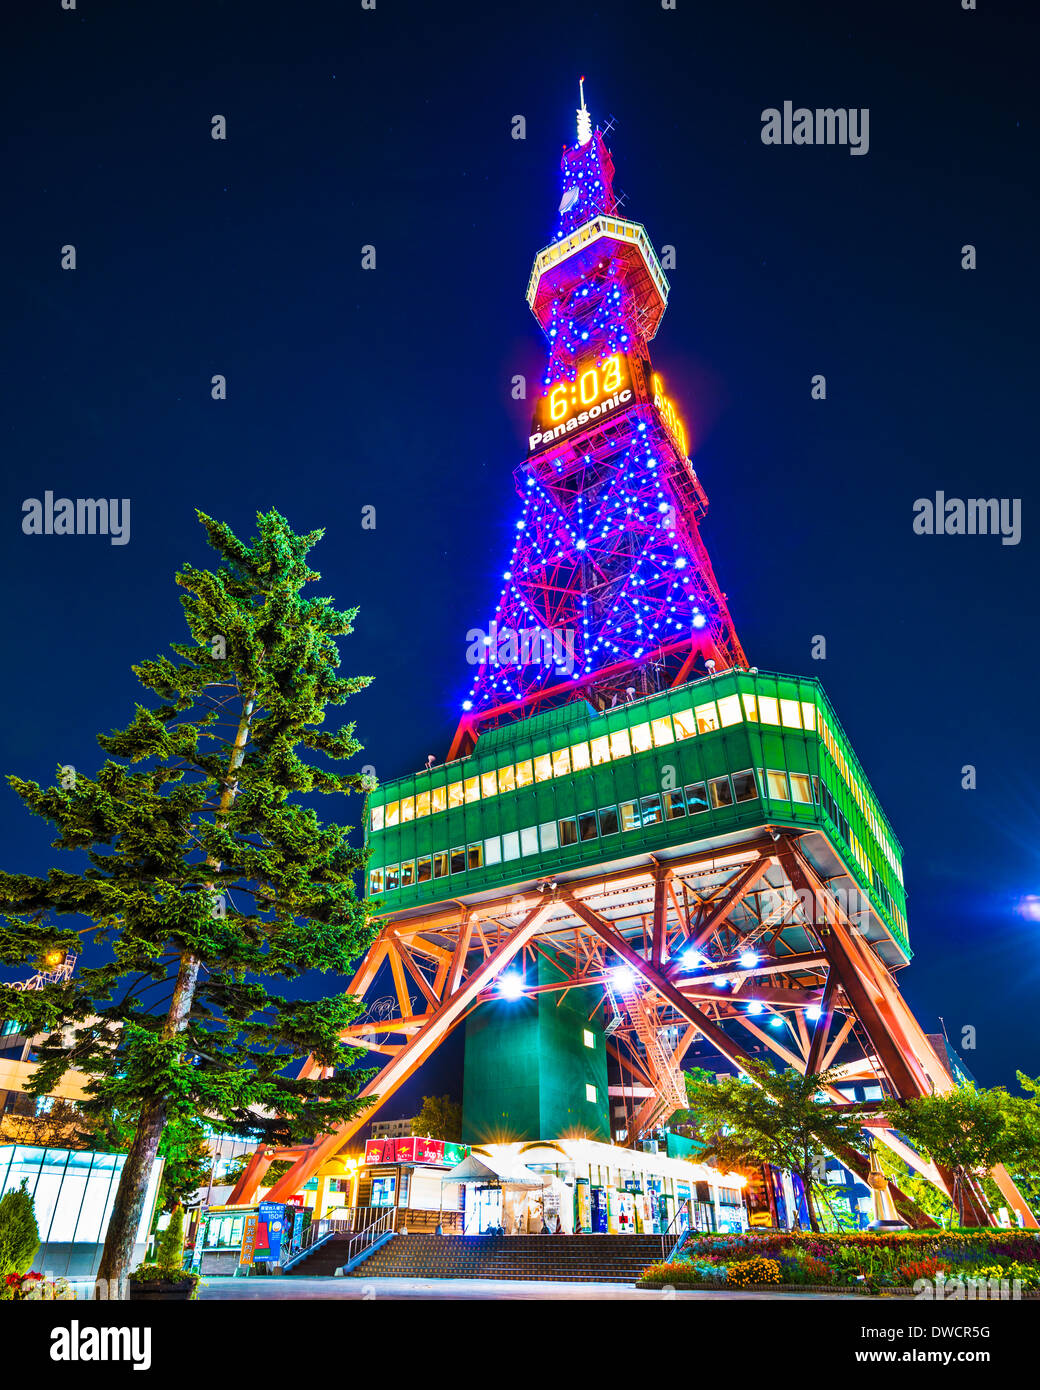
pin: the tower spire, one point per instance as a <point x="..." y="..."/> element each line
<point x="584" y="119"/>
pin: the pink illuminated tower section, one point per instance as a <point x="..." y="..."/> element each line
<point x="609" y="588"/>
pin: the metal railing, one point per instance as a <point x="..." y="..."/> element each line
<point x="318" y="1232"/>
<point x="369" y="1234"/>
<point x="672" y="1239"/>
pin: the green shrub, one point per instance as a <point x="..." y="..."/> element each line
<point x="19" y="1233"/>
<point x="170" y="1252"/>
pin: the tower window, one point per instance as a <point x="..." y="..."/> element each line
<point x="744" y="788"/>
<point x="590" y="1094"/>
<point x="588" y="1038"/>
<point x="721" y="792"/>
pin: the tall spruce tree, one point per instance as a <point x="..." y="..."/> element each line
<point x="205" y="879"/>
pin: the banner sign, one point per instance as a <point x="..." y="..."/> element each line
<point x="249" y="1239"/>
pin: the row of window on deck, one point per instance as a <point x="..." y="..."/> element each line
<point x="623" y="743"/>
<point x="694" y="799"/>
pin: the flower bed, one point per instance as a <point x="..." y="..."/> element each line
<point x="35" y="1288"/>
<point x="856" y="1263"/>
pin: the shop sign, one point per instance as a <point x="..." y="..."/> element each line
<point x="249" y="1239"/>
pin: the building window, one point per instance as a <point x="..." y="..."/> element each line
<point x="580" y="756"/>
<point x="492" y="851"/>
<point x="440" y="863"/>
<point x="424" y="869"/>
<point x="588" y="1038"/>
<point x="542" y="768"/>
<point x="529" y="840"/>
<point x="438" y="799"/>
<point x="472" y="787"/>
<point x="587" y="825"/>
<point x="641" y="738"/>
<point x="707" y="718"/>
<point x="674" y="804"/>
<point x="569" y="831"/>
<point x="721" y="792"/>
<point x="408" y="873"/>
<point x="620" y="744"/>
<point x="600" y="750"/>
<point x="391" y="809"/>
<point x="590" y="1093"/>
<point x="407" y="809"/>
<point x="524" y="773"/>
<point x="458" y="859"/>
<point x="377" y="817"/>
<point x="375" y="885"/>
<point x="801" y="788"/>
<point x="456" y="795"/>
<point x="629" y="815"/>
<point x="393" y="876"/>
<point x="651" y="806"/>
<point x="768" y="711"/>
<point x="547" y="835"/>
<point x="488" y="784"/>
<point x="422" y="804"/>
<point x="790" y="714"/>
<point x="777" y="784"/>
<point x="474" y="856"/>
<point x="696" y="798"/>
<point x="685" y="724"/>
<point x="750" y="707"/>
<point x="662" y="731"/>
<point x="729" y="710"/>
<point x="744" y="788"/>
<point x="506" y="778"/>
<point x="511" y="845"/>
<point x="608" y="820"/>
<point x="561" y="762"/>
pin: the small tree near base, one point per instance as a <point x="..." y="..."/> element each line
<point x="19" y="1233"/>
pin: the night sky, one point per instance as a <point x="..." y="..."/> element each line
<point x="390" y="387"/>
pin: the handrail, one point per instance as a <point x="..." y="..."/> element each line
<point x="318" y="1233"/>
<point x="375" y="1230"/>
<point x="667" y="1254"/>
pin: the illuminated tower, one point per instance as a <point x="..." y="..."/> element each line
<point x="639" y="846"/>
<point x="609" y="588"/>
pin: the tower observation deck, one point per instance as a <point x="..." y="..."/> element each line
<point x="681" y="851"/>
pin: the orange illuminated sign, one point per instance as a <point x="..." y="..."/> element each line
<point x="597" y="388"/>
<point x="667" y="412"/>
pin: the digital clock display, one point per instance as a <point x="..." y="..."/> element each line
<point x="598" y="388"/>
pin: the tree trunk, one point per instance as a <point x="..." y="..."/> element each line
<point x="807" y="1183"/>
<point x="133" y="1181"/>
<point x="129" y="1203"/>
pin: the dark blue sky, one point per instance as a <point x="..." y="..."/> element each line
<point x="391" y="387"/>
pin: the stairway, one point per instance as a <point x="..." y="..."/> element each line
<point x="323" y="1261"/>
<point x="612" y="1259"/>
